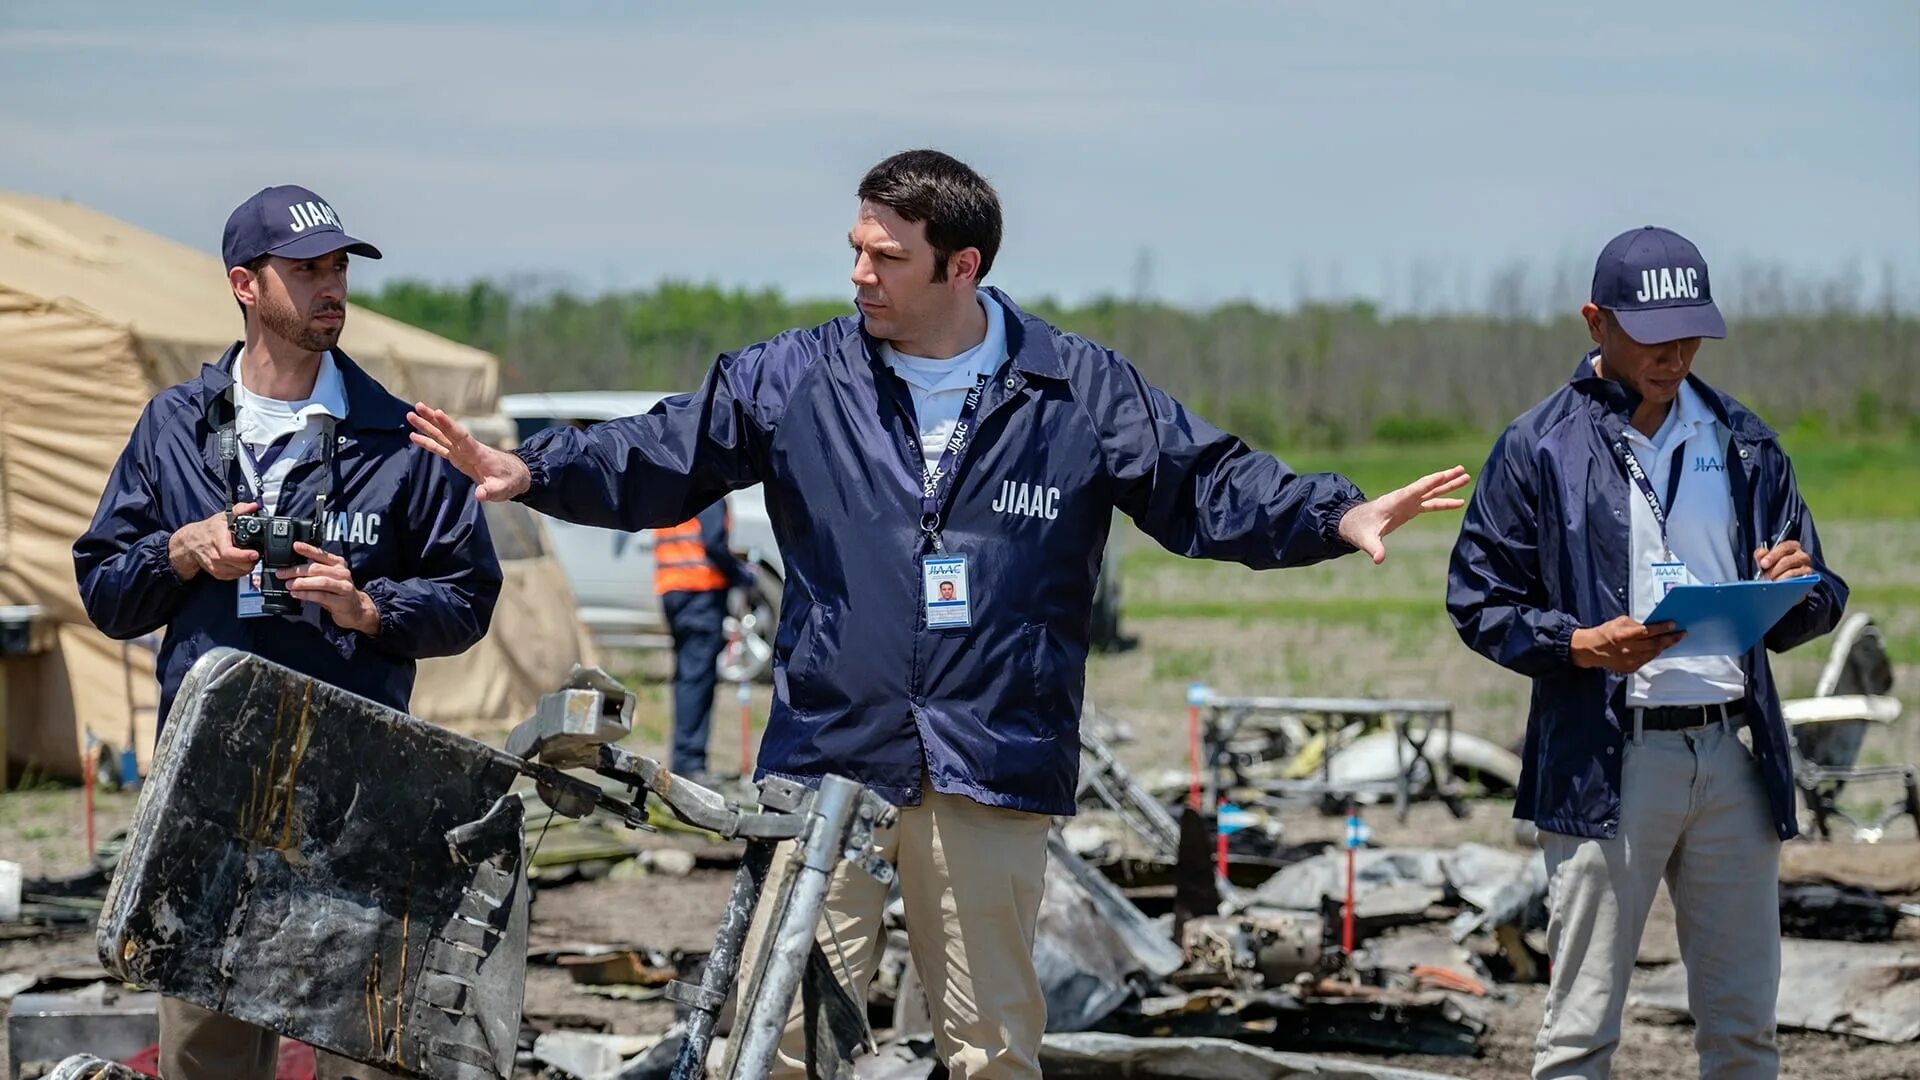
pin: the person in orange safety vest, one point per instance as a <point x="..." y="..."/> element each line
<point x="693" y="569"/>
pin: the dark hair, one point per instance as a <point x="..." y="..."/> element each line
<point x="253" y="266"/>
<point x="957" y="205"/>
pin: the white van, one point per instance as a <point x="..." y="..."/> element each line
<point x="612" y="571"/>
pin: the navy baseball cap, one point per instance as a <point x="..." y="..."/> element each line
<point x="288" y="221"/>
<point x="1655" y="282"/>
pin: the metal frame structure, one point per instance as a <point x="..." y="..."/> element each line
<point x="835" y="822"/>
<point x="1110" y="782"/>
<point x="1413" y="723"/>
<point x="1853" y="694"/>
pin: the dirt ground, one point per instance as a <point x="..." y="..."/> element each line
<point x="1376" y="631"/>
<point x="670" y="913"/>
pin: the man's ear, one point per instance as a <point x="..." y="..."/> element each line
<point x="246" y="285"/>
<point x="1596" y="322"/>
<point x="963" y="267"/>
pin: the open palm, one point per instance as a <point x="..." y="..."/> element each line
<point x="497" y="475"/>
<point x="1366" y="526"/>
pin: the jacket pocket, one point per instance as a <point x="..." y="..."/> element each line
<point x="809" y="645"/>
<point x="1050" y="682"/>
<point x="1034" y="666"/>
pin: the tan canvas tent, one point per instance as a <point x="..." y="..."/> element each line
<point x="96" y="316"/>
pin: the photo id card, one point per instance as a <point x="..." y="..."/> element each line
<point x="250" y="603"/>
<point x="944" y="578"/>
<point x="1669" y="574"/>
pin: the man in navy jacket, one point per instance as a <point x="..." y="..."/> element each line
<point x="404" y="569"/>
<point x="940" y="471"/>
<point x="1639" y="767"/>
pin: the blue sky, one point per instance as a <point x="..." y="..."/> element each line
<point x="1410" y="152"/>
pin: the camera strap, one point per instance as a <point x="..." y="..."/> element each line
<point x="230" y="451"/>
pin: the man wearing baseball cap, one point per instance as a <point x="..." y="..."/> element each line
<point x="285" y="424"/>
<point x="1639" y="767"/>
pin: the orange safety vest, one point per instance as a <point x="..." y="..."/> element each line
<point x="680" y="562"/>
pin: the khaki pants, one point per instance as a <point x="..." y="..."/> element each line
<point x="196" y="1044"/>
<point x="971" y="877"/>
<point x="1692" y="813"/>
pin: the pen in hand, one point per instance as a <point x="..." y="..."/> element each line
<point x="1759" y="573"/>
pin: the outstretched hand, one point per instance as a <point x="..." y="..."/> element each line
<point x="1366" y="526"/>
<point x="497" y="475"/>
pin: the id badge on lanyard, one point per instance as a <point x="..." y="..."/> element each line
<point x="250" y="604"/>
<point x="947" y="597"/>
<point x="1668" y="571"/>
<point x="944" y="580"/>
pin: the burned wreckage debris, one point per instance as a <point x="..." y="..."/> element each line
<point x="378" y="861"/>
<point x="382" y="863"/>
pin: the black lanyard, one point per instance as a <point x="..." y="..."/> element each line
<point x="936" y="484"/>
<point x="237" y="477"/>
<point x="1640" y="480"/>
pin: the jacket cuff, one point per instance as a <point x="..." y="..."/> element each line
<point x="381" y="592"/>
<point x="536" y="470"/>
<point x="159" y="565"/>
<point x="1563" y="638"/>
<point x="1330" y="528"/>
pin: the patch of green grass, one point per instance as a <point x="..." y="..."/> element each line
<point x="1841" y="478"/>
<point x="1852" y="479"/>
<point x="1877" y="596"/>
<point x="1378" y="468"/>
<point x="1365" y="611"/>
<point x="1300" y="670"/>
<point x="1904" y="648"/>
<point x="1181" y="665"/>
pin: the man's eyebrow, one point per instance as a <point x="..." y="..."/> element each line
<point x="889" y="245"/>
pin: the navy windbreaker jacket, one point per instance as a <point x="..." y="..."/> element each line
<point x="1544" y="549"/>
<point x="406" y="521"/>
<point x="1066" y="432"/>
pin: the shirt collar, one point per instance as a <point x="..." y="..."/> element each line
<point x="931" y="374"/>
<point x="329" y="395"/>
<point x="1694" y="412"/>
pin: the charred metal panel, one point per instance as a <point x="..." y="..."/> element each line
<point x="329" y="869"/>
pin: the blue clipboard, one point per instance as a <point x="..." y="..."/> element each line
<point x="1727" y="619"/>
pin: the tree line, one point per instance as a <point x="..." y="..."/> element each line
<point x="1316" y="374"/>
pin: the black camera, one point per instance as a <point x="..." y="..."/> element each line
<point x="273" y="538"/>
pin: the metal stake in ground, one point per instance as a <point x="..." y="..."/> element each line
<point x="1196" y="696"/>
<point x="1356" y="835"/>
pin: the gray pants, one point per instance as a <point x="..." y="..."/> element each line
<point x="196" y="1044"/>
<point x="1692" y="813"/>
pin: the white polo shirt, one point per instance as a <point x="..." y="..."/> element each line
<point x="1701" y="528"/>
<point x="263" y="422"/>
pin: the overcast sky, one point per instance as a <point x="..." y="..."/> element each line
<point x="1208" y="151"/>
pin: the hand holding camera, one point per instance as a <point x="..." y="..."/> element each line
<point x="208" y="547"/>
<point x="327" y="581"/>
<point x="227" y="545"/>
<point x="276" y="539"/>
